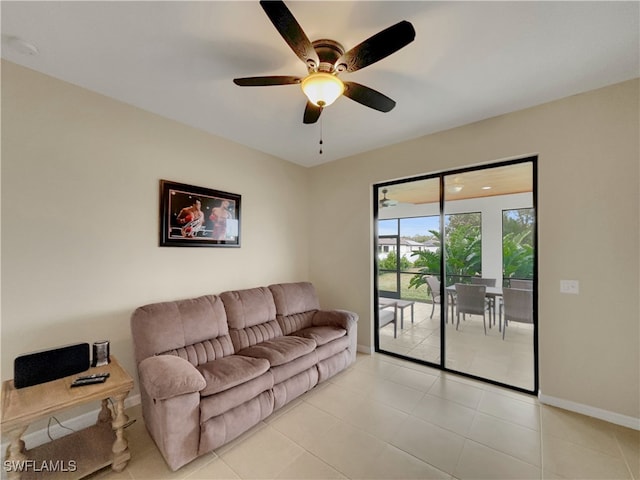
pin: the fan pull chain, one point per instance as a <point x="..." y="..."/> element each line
<point x="320" y="136"/>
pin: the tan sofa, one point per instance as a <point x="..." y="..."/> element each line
<point x="212" y="367"/>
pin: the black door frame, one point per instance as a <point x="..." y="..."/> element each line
<point x="441" y="176"/>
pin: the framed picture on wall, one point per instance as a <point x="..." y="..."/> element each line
<point x="193" y="216"/>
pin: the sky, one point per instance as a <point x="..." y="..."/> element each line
<point x="409" y="227"/>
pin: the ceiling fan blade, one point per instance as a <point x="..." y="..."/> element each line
<point x="375" y="48"/>
<point x="311" y="113"/>
<point x="291" y="31"/>
<point x="368" y="97"/>
<point x="266" y="81"/>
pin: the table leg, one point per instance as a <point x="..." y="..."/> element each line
<point x="491" y="317"/>
<point x="395" y="326"/>
<point x="105" y="413"/>
<point x="15" y="454"/>
<point x="495" y="311"/>
<point x="120" y="448"/>
<point x="452" y="302"/>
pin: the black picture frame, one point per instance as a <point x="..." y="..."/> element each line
<point x="192" y="216"/>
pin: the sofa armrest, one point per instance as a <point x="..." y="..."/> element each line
<point x="335" y="318"/>
<point x="166" y="376"/>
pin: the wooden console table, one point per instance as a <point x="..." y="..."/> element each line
<point x="80" y="453"/>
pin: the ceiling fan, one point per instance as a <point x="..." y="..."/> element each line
<point x="325" y="59"/>
<point x="386" y="202"/>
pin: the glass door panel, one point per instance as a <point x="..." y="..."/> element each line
<point x="487" y="242"/>
<point x="408" y="243"/>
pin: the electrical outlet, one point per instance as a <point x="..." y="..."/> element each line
<point x="570" y="286"/>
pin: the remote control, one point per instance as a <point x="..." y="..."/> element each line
<point x="95" y="375"/>
<point x="78" y="382"/>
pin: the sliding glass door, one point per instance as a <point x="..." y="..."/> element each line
<point x="443" y="237"/>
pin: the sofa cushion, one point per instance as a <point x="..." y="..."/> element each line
<point x="168" y="326"/>
<point x="322" y="335"/>
<point x="246" y="308"/>
<point x="245" y="337"/>
<point x="203" y="352"/>
<point x="219" y="403"/>
<point x="292" y="298"/>
<point x="333" y="347"/>
<point x="228" y="372"/>
<point x="280" y="350"/>
<point x="291" y="369"/>
<point x="296" y="322"/>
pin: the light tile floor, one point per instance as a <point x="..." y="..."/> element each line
<point x="384" y="418"/>
<point x="469" y="350"/>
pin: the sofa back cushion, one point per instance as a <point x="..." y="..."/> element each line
<point x="195" y="329"/>
<point x="251" y="314"/>
<point x="296" y="304"/>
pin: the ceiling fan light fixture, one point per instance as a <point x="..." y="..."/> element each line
<point x="322" y="89"/>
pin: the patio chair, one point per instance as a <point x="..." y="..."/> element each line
<point x="433" y="284"/>
<point x="471" y="299"/>
<point x="518" y="306"/>
<point x="521" y="284"/>
<point x="489" y="282"/>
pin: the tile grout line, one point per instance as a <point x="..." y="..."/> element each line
<point x="466" y="438"/>
<point x="624" y="457"/>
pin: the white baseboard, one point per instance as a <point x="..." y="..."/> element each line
<point x="365" y="349"/>
<point x="80" y="422"/>
<point x="606" y="415"/>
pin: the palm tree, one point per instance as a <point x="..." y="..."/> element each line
<point x="463" y="255"/>
<point x="517" y="255"/>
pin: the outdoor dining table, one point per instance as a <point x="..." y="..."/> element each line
<point x="490" y="292"/>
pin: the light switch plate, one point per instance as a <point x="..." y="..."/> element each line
<point x="570" y="286"/>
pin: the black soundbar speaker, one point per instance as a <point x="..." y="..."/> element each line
<point x="46" y="365"/>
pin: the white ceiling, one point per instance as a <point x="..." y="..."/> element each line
<point x="469" y="61"/>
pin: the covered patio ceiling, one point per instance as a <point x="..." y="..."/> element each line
<point x="505" y="180"/>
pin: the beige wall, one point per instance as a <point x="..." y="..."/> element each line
<point x="588" y="210"/>
<point x="80" y="223"/>
<point x="80" y="189"/>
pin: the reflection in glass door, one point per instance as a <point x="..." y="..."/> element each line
<point x="443" y="236"/>
<point x="388" y="260"/>
<point x="408" y="239"/>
